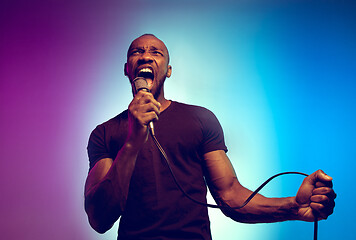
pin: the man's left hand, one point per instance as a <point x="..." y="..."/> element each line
<point x="316" y="197"/>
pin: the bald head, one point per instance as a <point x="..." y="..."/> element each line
<point x="148" y="37"/>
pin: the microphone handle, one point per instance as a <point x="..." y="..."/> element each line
<point x="140" y="83"/>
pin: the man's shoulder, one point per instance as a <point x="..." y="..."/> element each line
<point x="190" y="107"/>
<point x="115" y="121"/>
<point x="192" y="113"/>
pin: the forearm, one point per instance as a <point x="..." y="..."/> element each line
<point x="121" y="171"/>
<point x="260" y="209"/>
<point x="105" y="196"/>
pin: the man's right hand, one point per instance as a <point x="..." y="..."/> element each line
<point x="142" y="110"/>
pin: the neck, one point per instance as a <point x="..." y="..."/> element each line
<point x="164" y="103"/>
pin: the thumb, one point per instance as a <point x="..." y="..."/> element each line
<point x="322" y="180"/>
<point x="322" y="176"/>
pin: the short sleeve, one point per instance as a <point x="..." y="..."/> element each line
<point x="97" y="147"/>
<point x="213" y="135"/>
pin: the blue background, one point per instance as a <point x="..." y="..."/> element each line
<point x="279" y="75"/>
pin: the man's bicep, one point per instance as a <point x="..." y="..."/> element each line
<point x="97" y="173"/>
<point x="220" y="174"/>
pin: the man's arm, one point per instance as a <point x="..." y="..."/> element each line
<point x="106" y="188"/>
<point x="315" y="195"/>
<point x="108" y="182"/>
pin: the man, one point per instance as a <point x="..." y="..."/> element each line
<point x="129" y="179"/>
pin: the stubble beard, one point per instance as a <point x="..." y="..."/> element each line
<point x="159" y="88"/>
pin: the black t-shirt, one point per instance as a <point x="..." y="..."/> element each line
<point x="156" y="208"/>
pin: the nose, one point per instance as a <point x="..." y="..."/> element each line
<point x="146" y="57"/>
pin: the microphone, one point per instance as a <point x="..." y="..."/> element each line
<point x="139" y="84"/>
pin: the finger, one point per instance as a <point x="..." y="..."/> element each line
<point x="320" y="211"/>
<point x="148" y="117"/>
<point x="144" y="113"/>
<point x="326" y="200"/>
<point x="323" y="199"/>
<point x="323" y="204"/>
<point x="321" y="176"/>
<point x="325" y="191"/>
<point x="150" y="107"/>
<point x="324" y="184"/>
<point x="140" y="93"/>
<point x="143" y="98"/>
<point x="146" y="97"/>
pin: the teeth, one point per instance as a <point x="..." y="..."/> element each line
<point x="146" y="70"/>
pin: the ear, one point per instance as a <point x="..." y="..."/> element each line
<point x="169" y="71"/>
<point x="125" y="69"/>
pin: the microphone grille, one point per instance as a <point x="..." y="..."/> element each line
<point x="140" y="83"/>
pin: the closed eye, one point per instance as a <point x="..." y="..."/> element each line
<point x="135" y="52"/>
<point x="157" y="53"/>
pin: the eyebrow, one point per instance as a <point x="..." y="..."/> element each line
<point x="154" y="48"/>
<point x="150" y="48"/>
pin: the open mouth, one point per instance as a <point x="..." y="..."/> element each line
<point x="146" y="73"/>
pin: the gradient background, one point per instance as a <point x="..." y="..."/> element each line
<point x="279" y="75"/>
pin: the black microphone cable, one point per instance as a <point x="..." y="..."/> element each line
<point x="226" y="207"/>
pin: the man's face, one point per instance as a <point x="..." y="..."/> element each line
<point x="148" y="57"/>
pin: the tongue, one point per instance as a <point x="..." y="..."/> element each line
<point x="149" y="82"/>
